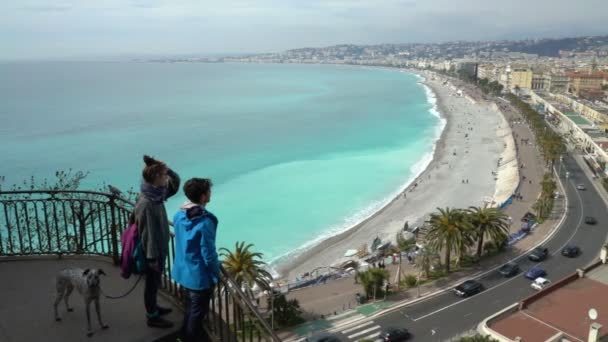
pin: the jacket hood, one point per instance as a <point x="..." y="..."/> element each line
<point x="189" y="214"/>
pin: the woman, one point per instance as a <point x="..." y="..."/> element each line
<point x="159" y="183"/>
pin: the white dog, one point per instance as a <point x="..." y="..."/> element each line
<point x="87" y="284"/>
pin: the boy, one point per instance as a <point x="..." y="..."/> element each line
<point x="196" y="266"/>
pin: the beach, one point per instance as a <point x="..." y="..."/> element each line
<point x="461" y="174"/>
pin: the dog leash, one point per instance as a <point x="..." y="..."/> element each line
<point x="126" y="294"/>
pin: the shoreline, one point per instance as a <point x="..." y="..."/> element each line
<point x="288" y="266"/>
<point x="294" y="257"/>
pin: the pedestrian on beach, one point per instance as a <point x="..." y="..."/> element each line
<point x="159" y="183"/>
<point x="196" y="266"/>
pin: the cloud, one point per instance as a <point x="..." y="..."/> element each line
<point x="43" y="28"/>
<point x="47" y="8"/>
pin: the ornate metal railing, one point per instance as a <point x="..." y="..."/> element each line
<point x="90" y="223"/>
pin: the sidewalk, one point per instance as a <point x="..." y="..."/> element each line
<point x="335" y="301"/>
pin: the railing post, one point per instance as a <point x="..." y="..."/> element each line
<point x="114" y="231"/>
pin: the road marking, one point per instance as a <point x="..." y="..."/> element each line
<point x="508" y="280"/>
<point x="469" y="314"/>
<point x="347" y="322"/>
<point x="376" y="327"/>
<point x="578" y="226"/>
<point x="357" y="327"/>
<point x="376" y="334"/>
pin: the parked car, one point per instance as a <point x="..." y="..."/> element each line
<point x="535" y="272"/>
<point x="539" y="254"/>
<point x="571" y="251"/>
<point x="590" y="220"/>
<point x="395" y="334"/>
<point x="581" y="187"/>
<point x="468" y="288"/>
<point x="323" y="338"/>
<point x="540" y="283"/>
<point x="509" y="269"/>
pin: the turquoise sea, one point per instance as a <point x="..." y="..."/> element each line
<point x="297" y="152"/>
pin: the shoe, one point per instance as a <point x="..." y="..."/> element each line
<point x="163" y="311"/>
<point x="157" y="322"/>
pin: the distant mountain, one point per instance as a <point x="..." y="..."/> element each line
<point x="551" y="47"/>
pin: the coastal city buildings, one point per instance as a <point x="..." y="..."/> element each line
<point x="569" y="86"/>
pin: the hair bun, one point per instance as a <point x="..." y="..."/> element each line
<point x="150" y="161"/>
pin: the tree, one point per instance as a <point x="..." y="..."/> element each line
<point x="488" y="222"/>
<point x="425" y="259"/>
<point x="449" y="230"/>
<point x="286" y="312"/>
<point x="372" y="281"/>
<point x="246" y="268"/>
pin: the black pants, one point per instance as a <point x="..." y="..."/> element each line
<point x="150" y="291"/>
<point x="197" y="309"/>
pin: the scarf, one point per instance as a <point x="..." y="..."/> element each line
<point x="153" y="193"/>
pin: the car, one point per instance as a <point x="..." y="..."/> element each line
<point x="509" y="269"/>
<point x="395" y="334"/>
<point x="539" y="254"/>
<point x="323" y="338"/>
<point x="581" y="187"/>
<point x="571" y="251"/>
<point x="468" y="288"/>
<point x="590" y="220"/>
<point x="535" y="272"/>
<point x="540" y="283"/>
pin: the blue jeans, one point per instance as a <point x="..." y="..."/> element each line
<point x="197" y="308"/>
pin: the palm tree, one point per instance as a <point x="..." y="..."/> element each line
<point x="488" y="222"/>
<point x="372" y="280"/>
<point x="245" y="268"/>
<point x="449" y="230"/>
<point x="424" y="260"/>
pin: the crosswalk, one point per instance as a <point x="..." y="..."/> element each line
<point x="365" y="331"/>
<point x="352" y="327"/>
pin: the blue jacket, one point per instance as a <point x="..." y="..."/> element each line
<point x="196" y="265"/>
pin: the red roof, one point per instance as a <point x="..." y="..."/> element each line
<point x="561" y="310"/>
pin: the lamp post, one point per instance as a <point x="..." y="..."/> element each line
<point x="271" y="296"/>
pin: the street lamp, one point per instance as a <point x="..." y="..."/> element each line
<point x="271" y="296"/>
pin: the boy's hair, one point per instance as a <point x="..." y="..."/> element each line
<point x="194" y="188"/>
<point x="153" y="169"/>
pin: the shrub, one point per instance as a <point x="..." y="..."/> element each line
<point x="411" y="280"/>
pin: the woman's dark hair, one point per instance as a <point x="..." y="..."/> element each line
<point x="194" y="188"/>
<point x="153" y="169"/>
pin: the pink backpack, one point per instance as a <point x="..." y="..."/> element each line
<point x="132" y="258"/>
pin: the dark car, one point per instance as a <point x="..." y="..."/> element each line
<point x="468" y="288"/>
<point x="394" y="334"/>
<point x="538" y="254"/>
<point x="571" y="251"/>
<point x="590" y="220"/>
<point x="509" y="269"/>
<point x="535" y="272"/>
<point x="323" y="338"/>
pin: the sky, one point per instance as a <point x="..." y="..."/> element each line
<point x="46" y="29"/>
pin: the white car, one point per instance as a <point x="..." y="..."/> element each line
<point x="540" y="283"/>
<point x="580" y="187"/>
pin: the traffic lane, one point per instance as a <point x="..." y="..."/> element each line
<point x="561" y="238"/>
<point x="451" y="320"/>
<point x="511" y="291"/>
